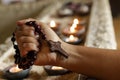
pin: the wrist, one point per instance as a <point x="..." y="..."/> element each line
<point x="70" y="50"/>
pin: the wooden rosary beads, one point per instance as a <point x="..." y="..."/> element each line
<point x="28" y="60"/>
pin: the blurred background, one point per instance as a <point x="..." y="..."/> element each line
<point x="13" y="10"/>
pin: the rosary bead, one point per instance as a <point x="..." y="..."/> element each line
<point x="16" y="47"/>
<point x="13" y="34"/>
<point x="31" y="54"/>
<point x="31" y="63"/>
<point x="37" y="29"/>
<point x="34" y="57"/>
<point x="28" y="60"/>
<point x="17" y="51"/>
<point x="16" y="55"/>
<point x="13" y="39"/>
<point x="23" y="60"/>
<point x="30" y="23"/>
<point x="43" y="37"/>
<point x="26" y="67"/>
<point x="19" y="65"/>
<point x="17" y="60"/>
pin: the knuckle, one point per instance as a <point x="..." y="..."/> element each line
<point x="29" y="32"/>
<point x="25" y="27"/>
<point x="29" y="46"/>
<point x="31" y="28"/>
<point x="22" y="38"/>
<point x="25" y="33"/>
<point x="27" y="39"/>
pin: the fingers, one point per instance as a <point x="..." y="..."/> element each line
<point x="25" y="33"/>
<point x="27" y="43"/>
<point x="22" y="22"/>
<point x="28" y="47"/>
<point x="49" y="33"/>
<point x="25" y="37"/>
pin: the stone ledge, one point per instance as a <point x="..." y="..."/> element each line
<point x="101" y="32"/>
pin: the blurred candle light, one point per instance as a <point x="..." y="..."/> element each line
<point x="74" y="25"/>
<point x="15" y="69"/>
<point x="72" y="29"/>
<point x="15" y="73"/>
<point x="71" y="38"/>
<point x="57" y="68"/>
<point x="52" y="24"/>
<point x="75" y="21"/>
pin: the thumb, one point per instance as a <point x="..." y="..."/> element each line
<point x="48" y="32"/>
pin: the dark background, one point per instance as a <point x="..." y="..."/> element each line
<point x="115" y="7"/>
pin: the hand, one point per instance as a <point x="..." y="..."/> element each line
<point x="27" y="41"/>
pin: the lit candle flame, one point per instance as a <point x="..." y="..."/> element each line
<point x="75" y="21"/>
<point x="74" y="25"/>
<point x="71" y="38"/>
<point x="57" y="68"/>
<point x="72" y="28"/>
<point x="52" y="23"/>
<point x="15" y="69"/>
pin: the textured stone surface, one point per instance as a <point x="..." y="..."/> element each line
<point x="101" y="31"/>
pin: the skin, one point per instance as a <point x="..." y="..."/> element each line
<point x="103" y="64"/>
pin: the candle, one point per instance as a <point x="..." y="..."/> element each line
<point x="54" y="25"/>
<point x="72" y="28"/>
<point x="76" y="29"/>
<point x="72" y="39"/>
<point x="78" y="22"/>
<point x="15" y="69"/>
<point x="55" y="70"/>
<point x="14" y="73"/>
<point x="75" y="21"/>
